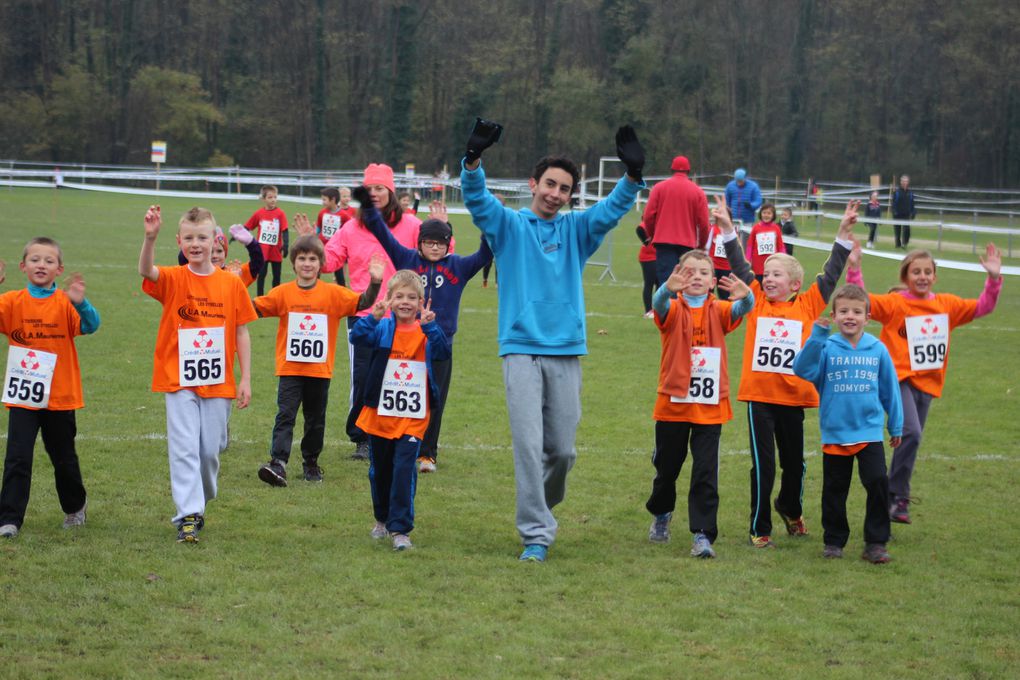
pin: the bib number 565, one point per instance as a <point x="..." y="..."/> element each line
<point x="26" y="390"/>
<point x="202" y="369"/>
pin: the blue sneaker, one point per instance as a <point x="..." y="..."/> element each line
<point x="534" y="553"/>
<point x="702" y="547"/>
<point x="659" y="531"/>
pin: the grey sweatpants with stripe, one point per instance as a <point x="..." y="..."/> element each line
<point x="543" y="399"/>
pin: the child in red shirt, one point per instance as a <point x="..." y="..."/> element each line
<point x="42" y="382"/>
<point x="332" y="217"/>
<point x="765" y="240"/>
<point x="309" y="312"/>
<point x="271" y="223"/>
<point x="398" y="395"/>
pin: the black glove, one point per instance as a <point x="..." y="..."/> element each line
<point x="642" y="235"/>
<point x="483" y="135"/>
<point x="630" y="151"/>
<point x="361" y="195"/>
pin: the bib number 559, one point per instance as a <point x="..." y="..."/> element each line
<point x="24" y="389"/>
<point x="202" y="369"/>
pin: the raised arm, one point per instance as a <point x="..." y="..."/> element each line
<point x="146" y="260"/>
<point x="833" y="269"/>
<point x="738" y="263"/>
<point x="256" y="260"/>
<point x="402" y="257"/>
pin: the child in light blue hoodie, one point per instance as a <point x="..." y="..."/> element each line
<point x="857" y="390"/>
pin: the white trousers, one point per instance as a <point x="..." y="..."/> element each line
<point x="196" y="432"/>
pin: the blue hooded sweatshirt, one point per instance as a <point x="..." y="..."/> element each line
<point x="444" y="280"/>
<point x="540" y="262"/>
<point x="857" y="386"/>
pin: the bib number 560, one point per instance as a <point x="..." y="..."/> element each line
<point x="304" y="347"/>
<point x="202" y="369"/>
<point x="26" y="390"/>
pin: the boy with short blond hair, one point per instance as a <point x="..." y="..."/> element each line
<point x="309" y="313"/>
<point x="42" y="382"/>
<point x="271" y="223"/>
<point x="399" y="395"/>
<point x="203" y="324"/>
<point x="857" y="384"/>
<point x="776" y="398"/>
<point x="693" y="394"/>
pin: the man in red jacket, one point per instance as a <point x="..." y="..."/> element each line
<point x="676" y="217"/>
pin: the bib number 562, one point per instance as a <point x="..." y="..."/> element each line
<point x="24" y="389"/>
<point x="202" y="369"/>
<point x="777" y="357"/>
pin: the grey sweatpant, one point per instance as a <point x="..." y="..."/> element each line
<point x="915" y="411"/>
<point x="543" y="399"/>
<point x="196" y="432"/>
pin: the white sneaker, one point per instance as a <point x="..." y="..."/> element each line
<point x="401" y="542"/>
<point x="871" y="244"/>
<point x="76" y="519"/>
<point x="379" y="531"/>
<point x="426" y="465"/>
<point x="8" y="531"/>
<point x="650" y="314"/>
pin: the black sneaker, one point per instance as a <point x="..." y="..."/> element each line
<point x="187" y="530"/>
<point x="313" y="473"/>
<point x="274" y="473"/>
<point x="360" y="453"/>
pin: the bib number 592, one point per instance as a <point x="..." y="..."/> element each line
<point x="26" y="390"/>
<point x="202" y="369"/>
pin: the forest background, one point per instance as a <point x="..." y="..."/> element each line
<point x="837" y="90"/>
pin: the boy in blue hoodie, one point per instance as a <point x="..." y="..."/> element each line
<point x="444" y="277"/>
<point x="856" y="383"/>
<point x="540" y="254"/>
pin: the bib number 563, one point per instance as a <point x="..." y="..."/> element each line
<point x="202" y="369"/>
<point x="399" y="400"/>
<point x="24" y="389"/>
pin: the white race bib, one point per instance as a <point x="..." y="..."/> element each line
<point x="403" y="389"/>
<point x="330" y="225"/>
<point x="776" y="343"/>
<point x="28" y="377"/>
<point x="928" y="341"/>
<point x="201" y="356"/>
<point x="269" y="232"/>
<point x="766" y="243"/>
<point x="719" y="248"/>
<point x="704" y="387"/>
<point x="306" y="337"/>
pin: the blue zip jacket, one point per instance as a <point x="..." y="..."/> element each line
<point x="378" y="335"/>
<point x="856" y="386"/>
<point x="743" y="201"/>
<point x="541" y="262"/>
<point x="444" y="280"/>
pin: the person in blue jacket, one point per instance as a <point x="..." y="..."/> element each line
<point x="541" y="253"/>
<point x="858" y="391"/>
<point x="444" y="276"/>
<point x="743" y="197"/>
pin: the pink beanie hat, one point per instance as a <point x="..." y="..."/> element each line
<point x="379" y="173"/>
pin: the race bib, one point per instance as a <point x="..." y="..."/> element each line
<point x="718" y="248"/>
<point x="306" y="337"/>
<point x="269" y="232"/>
<point x="403" y="389"/>
<point x="704" y="387"/>
<point x="776" y="343"/>
<point x="330" y="225"/>
<point x="201" y="356"/>
<point x="766" y="243"/>
<point x="928" y="341"/>
<point x="28" y="377"/>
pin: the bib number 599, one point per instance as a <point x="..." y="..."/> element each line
<point x="202" y="369"/>
<point x="26" y="390"/>
<point x="934" y="353"/>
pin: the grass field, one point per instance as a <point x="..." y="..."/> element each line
<point x="287" y="582"/>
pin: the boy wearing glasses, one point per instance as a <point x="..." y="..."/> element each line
<point x="444" y="277"/>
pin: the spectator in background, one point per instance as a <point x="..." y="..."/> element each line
<point x="873" y="209"/>
<point x="903" y="209"/>
<point x="676" y="218"/>
<point x="743" y="197"/>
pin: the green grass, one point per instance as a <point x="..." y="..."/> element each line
<point x="287" y="583"/>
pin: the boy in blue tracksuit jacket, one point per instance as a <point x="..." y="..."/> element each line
<point x="540" y="254"/>
<point x="857" y="389"/>
<point x="444" y="276"/>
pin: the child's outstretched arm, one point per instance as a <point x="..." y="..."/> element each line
<point x="740" y="294"/>
<point x="676" y="283"/>
<point x="889" y="395"/>
<point x="75" y="291"/>
<point x="439" y="344"/>
<point x="992" y="262"/>
<point x="401" y="256"/>
<point x="810" y="361"/>
<point x="146" y="260"/>
<point x="833" y="269"/>
<point x="376" y="270"/>
<point x="256" y="260"/>
<point x="243" y="342"/>
<point x="854" y="274"/>
<point x="3" y="271"/>
<point x="738" y="263"/>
